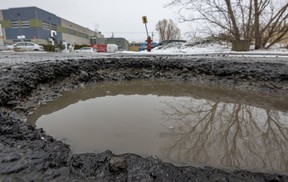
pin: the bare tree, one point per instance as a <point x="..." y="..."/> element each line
<point x="264" y="21"/>
<point x="273" y="25"/>
<point x="167" y="29"/>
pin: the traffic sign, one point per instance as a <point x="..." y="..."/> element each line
<point x="144" y="19"/>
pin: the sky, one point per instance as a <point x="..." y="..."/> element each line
<point x="123" y="18"/>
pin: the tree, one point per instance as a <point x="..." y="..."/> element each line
<point x="264" y="21"/>
<point x="167" y="30"/>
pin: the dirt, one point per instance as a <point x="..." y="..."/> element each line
<point x="28" y="154"/>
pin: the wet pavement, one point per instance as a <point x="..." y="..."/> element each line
<point x="179" y="123"/>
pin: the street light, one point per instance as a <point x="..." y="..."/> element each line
<point x="20" y="36"/>
<point x="145" y="21"/>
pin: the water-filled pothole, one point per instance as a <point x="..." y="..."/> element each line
<point x="176" y="121"/>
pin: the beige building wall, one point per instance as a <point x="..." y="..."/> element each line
<point x="70" y="37"/>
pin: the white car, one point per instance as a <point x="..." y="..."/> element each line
<point x="112" y="48"/>
<point x="85" y="49"/>
<point x="26" y="46"/>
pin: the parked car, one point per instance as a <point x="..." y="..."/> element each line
<point x="85" y="49"/>
<point x="112" y="48"/>
<point x="165" y="42"/>
<point x="100" y="47"/>
<point x="26" y="46"/>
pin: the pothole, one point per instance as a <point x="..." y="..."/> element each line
<point x="176" y="121"/>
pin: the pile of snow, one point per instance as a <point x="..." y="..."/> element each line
<point x="196" y="46"/>
<point x="175" y="47"/>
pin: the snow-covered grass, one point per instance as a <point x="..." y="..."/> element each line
<point x="213" y="47"/>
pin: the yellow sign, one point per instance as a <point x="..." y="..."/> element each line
<point x="144" y="19"/>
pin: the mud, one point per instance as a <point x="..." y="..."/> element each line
<point x="28" y="154"/>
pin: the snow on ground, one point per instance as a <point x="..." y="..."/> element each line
<point x="215" y="48"/>
<point x="198" y="47"/>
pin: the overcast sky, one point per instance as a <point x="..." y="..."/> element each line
<point x="121" y="17"/>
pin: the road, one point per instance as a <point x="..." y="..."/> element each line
<point x="13" y="58"/>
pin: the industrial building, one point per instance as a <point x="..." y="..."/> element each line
<point x="33" y="24"/>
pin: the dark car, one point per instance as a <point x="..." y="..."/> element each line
<point x="165" y="42"/>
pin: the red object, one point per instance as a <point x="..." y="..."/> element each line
<point x="149" y="44"/>
<point x="99" y="47"/>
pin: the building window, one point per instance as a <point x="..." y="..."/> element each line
<point x="48" y="26"/>
<point x="85" y="36"/>
<point x="53" y="27"/>
<point x="69" y="31"/>
<point x="20" y="24"/>
<point x="25" y="24"/>
<point x="45" y="25"/>
<point x="15" y="24"/>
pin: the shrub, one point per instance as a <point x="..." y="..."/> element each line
<point x="48" y="47"/>
<point x="80" y="46"/>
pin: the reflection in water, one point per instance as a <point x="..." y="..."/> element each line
<point x="225" y="135"/>
<point x="180" y="123"/>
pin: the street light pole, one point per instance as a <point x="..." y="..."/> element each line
<point x="146" y="29"/>
<point x="149" y="40"/>
<point x="144" y="19"/>
<point x="20" y="26"/>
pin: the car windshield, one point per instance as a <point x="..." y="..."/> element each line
<point x="85" y="48"/>
<point x="29" y="44"/>
<point x="20" y="44"/>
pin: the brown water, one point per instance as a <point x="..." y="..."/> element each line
<point x="176" y="121"/>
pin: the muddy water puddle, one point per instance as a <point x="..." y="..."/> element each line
<point x="176" y="121"/>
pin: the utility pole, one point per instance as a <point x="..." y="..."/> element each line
<point x="149" y="40"/>
<point x="144" y="19"/>
<point x="1" y="37"/>
<point x="21" y="37"/>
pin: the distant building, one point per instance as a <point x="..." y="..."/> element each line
<point x="41" y="27"/>
<point x="134" y="47"/>
<point x="122" y="43"/>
